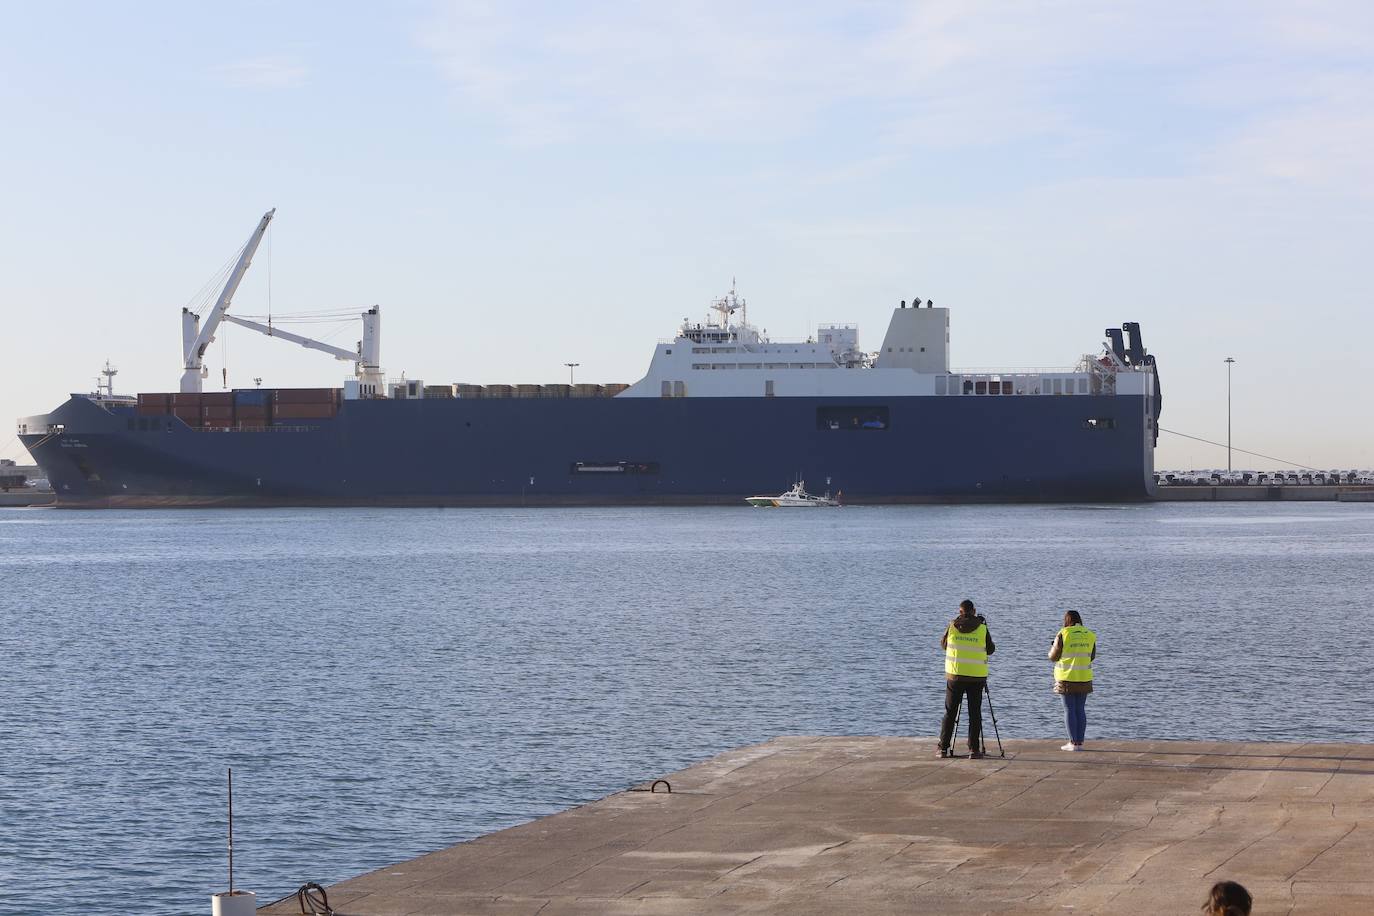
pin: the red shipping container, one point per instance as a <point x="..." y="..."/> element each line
<point x="184" y="399"/>
<point x="217" y="398"/>
<point x="303" y="411"/>
<point x="218" y="413"/>
<point x="305" y="395"/>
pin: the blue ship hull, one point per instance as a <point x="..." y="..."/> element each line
<point x="607" y="451"/>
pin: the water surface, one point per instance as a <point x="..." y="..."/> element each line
<point x="389" y="682"/>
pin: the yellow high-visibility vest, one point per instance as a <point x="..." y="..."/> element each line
<point x="1076" y="655"/>
<point x="967" y="653"/>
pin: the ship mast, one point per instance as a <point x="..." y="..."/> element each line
<point x="194" y="337"/>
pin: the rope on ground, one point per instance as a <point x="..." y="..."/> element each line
<point x="313" y="896"/>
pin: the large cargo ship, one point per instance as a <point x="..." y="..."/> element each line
<point x="722" y="412"/>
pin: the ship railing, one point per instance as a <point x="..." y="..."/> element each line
<point x="255" y="429"/>
<point x="1017" y="370"/>
<point x="1031" y="382"/>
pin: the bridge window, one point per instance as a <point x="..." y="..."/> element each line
<point x="1099" y="423"/>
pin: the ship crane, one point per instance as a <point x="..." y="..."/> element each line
<point x="196" y="338"/>
<point x="365" y="358"/>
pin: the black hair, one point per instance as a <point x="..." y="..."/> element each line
<point x="966" y="606"/>
<point x="1227" y="898"/>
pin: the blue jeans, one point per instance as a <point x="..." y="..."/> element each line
<point x="1076" y="715"/>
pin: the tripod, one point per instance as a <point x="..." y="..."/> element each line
<point x="982" y="738"/>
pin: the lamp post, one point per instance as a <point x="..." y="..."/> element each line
<point x="1229" y="361"/>
<point x="571" y="367"/>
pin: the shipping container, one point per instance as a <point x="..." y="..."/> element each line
<point x="527" y="391"/>
<point x="614" y="389"/>
<point x="439" y="391"/>
<point x="587" y="391"/>
<point x="303" y="411"/>
<point x="186" y="399"/>
<point x="469" y="391"/>
<point x="306" y="395"/>
<point x="217" y="399"/>
<point x="153" y="405"/>
<point x="254" y="397"/>
<point x="497" y="391"/>
<point x="554" y="391"/>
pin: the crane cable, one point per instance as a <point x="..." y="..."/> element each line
<point x="1293" y="464"/>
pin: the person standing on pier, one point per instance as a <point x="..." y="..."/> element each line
<point x="1073" y="653"/>
<point x="967" y="645"/>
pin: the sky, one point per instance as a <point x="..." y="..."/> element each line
<point x="523" y="185"/>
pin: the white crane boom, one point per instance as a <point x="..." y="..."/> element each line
<point x="194" y="337"/>
<point x="308" y="343"/>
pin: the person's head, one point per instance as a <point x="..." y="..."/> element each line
<point x="1073" y="619"/>
<point x="966" y="609"/>
<point x="1227" y="899"/>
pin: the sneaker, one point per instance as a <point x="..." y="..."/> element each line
<point x="1078" y="747"/>
<point x="944" y="752"/>
<point x="975" y="755"/>
<point x="1069" y="747"/>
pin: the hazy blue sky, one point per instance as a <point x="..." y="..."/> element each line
<point x="524" y="185"/>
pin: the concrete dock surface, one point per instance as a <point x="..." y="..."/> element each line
<point x="812" y="825"/>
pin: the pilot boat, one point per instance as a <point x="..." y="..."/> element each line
<point x="797" y="497"/>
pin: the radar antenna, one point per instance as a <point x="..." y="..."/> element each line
<point x="109" y="372"/>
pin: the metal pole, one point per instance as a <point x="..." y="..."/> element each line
<point x="231" y="831"/>
<point x="571" y="367"/>
<point x="1229" y="361"/>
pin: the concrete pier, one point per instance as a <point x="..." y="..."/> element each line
<point x="23" y="498"/>
<point x="1289" y="493"/>
<point x="804" y="825"/>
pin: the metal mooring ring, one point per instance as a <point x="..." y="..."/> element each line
<point x="654" y="788"/>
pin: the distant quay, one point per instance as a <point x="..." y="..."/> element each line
<point x="27" y="497"/>
<point x="1242" y="493"/>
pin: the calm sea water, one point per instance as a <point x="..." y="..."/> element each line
<point x="386" y="683"/>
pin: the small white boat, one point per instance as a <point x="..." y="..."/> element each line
<point x="795" y="498"/>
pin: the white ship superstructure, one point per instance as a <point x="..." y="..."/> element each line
<point x="725" y="357"/>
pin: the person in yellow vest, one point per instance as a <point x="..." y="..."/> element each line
<point x="967" y="645"/>
<point x="1073" y="653"/>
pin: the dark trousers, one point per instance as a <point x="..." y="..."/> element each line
<point x="955" y="691"/>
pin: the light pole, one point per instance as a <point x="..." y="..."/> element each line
<point x="571" y="367"/>
<point x="1229" y="361"/>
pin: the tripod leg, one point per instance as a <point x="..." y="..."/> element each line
<point x="948" y="749"/>
<point x="993" y="713"/>
<point x="954" y="736"/>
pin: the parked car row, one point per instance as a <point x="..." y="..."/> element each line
<point x="1218" y="478"/>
